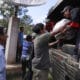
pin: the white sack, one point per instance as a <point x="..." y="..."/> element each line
<point x="60" y="25"/>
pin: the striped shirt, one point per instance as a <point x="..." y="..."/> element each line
<point x="26" y="50"/>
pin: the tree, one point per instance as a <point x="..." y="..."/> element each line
<point x="26" y="19"/>
<point x="7" y="10"/>
<point x="4" y="23"/>
<point x="25" y="22"/>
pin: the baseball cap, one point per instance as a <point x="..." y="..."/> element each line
<point x="66" y="8"/>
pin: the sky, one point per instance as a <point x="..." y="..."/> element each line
<point x="39" y="13"/>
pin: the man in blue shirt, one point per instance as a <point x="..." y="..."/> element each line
<point x="20" y="44"/>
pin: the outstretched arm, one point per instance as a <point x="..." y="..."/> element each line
<point x="53" y="43"/>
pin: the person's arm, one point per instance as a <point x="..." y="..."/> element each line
<point x="32" y="52"/>
<point x="65" y="29"/>
<point x="53" y="43"/>
<point x="19" y="40"/>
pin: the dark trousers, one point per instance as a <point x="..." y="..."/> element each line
<point x="18" y="54"/>
<point x="77" y="47"/>
<point x="27" y="75"/>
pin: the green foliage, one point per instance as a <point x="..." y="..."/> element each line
<point x="25" y="22"/>
<point x="27" y="29"/>
<point x="26" y="19"/>
<point x="7" y="10"/>
<point x="4" y="23"/>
